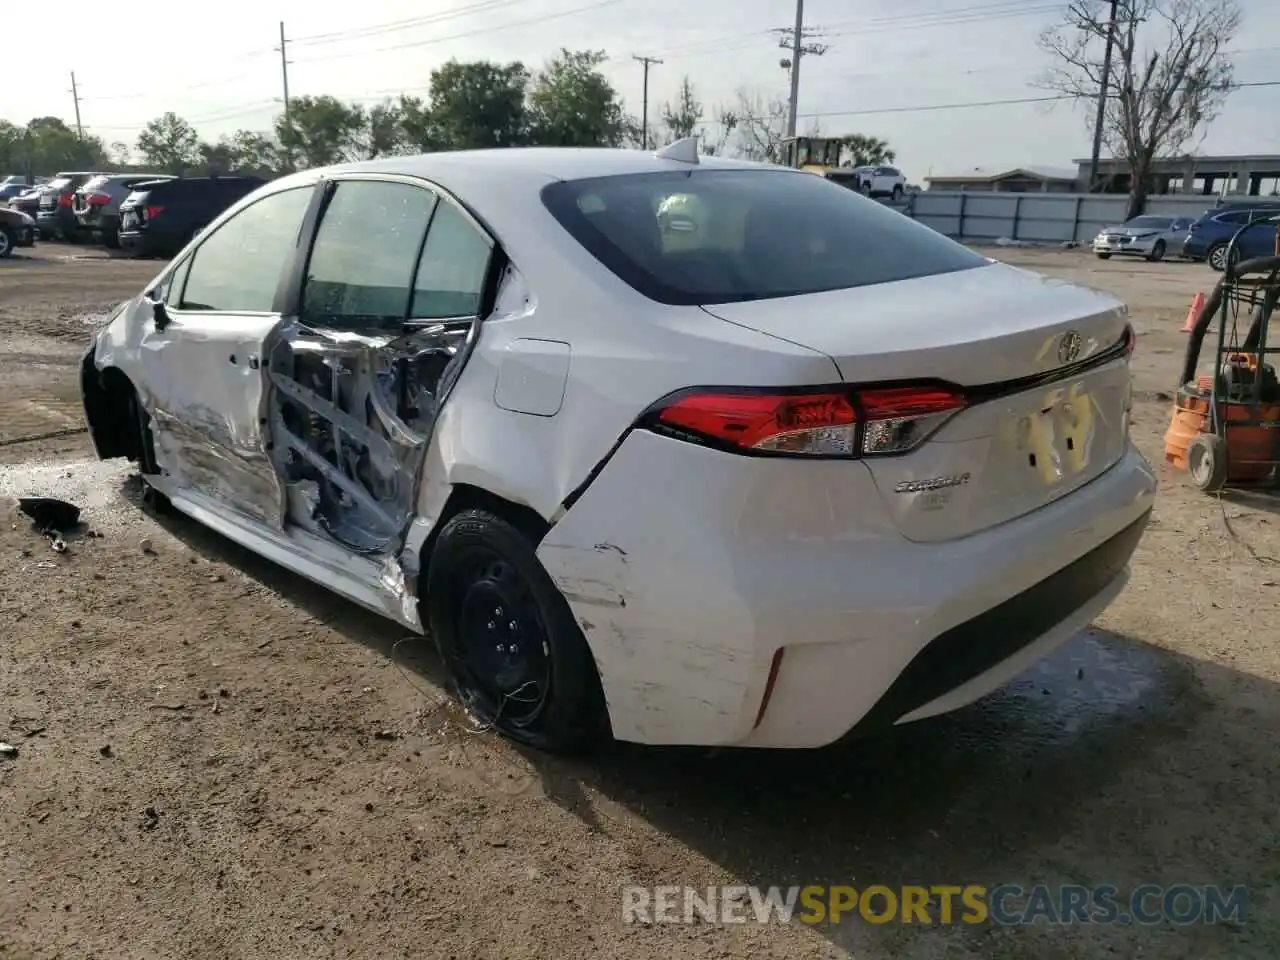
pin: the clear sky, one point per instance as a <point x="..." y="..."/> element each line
<point x="215" y="64"/>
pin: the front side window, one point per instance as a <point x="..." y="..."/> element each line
<point x="237" y="268"/>
<point x="361" y="270"/>
<point x="755" y="235"/>
<point x="455" y="263"/>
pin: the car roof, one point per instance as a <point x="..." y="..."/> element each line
<point x="502" y="187"/>
<point x="535" y="165"/>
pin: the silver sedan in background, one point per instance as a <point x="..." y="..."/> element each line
<point x="1150" y="237"/>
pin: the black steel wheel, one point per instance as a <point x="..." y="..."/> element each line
<point x="508" y="638"/>
<point x="1207" y="462"/>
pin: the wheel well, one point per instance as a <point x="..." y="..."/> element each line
<point x="108" y="396"/>
<point x="464" y="496"/>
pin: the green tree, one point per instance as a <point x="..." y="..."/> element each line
<point x="384" y="130"/>
<point x="682" y="117"/>
<point x="571" y="104"/>
<point x="49" y="145"/>
<point x="474" y="105"/>
<point x="321" y="130"/>
<point x="860" y="150"/>
<point x="169" y="143"/>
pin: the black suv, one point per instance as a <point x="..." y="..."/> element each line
<point x="160" y="217"/>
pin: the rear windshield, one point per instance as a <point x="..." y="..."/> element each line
<point x="93" y="183"/>
<point x="59" y="183"/>
<point x="722" y="236"/>
<point x="1153" y="223"/>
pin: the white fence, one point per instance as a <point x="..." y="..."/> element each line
<point x="1037" y="217"/>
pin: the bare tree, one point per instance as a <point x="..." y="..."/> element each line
<point x="759" y="125"/>
<point x="1169" y="74"/>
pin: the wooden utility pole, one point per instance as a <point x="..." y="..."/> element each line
<point x="284" y="72"/>
<point x="75" y="97"/>
<point x="1102" y="98"/>
<point x="645" y="62"/>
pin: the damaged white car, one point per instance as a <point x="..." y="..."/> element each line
<point x="781" y="467"/>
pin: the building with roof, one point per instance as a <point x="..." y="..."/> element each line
<point x="1248" y="174"/>
<point x="1032" y="179"/>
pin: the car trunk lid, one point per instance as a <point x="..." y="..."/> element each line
<point x="1042" y="365"/>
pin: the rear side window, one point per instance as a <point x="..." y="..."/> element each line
<point x="721" y="236"/>
<point x="454" y="265"/>
<point x="361" y="269"/>
<point x="237" y="267"/>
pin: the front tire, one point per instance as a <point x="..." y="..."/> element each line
<point x="1157" y="252"/>
<point x="1217" y="257"/>
<point x="1104" y="256"/>
<point x="7" y="242"/>
<point x="897" y="193"/>
<point x="508" y="638"/>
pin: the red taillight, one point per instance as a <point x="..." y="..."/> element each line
<point x="1130" y="340"/>
<point x="97" y="199"/>
<point x="153" y="212"/>
<point x="829" y="422"/>
<point x="64" y="199"/>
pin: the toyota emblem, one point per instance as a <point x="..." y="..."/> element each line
<point x="1069" y="347"/>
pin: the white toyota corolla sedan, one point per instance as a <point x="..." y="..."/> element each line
<point x="689" y="450"/>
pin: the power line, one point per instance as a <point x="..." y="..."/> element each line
<point x="487" y="29"/>
<point x="394" y="26"/>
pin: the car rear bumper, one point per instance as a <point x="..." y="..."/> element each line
<point x="766" y="602"/>
<point x="61" y="219"/>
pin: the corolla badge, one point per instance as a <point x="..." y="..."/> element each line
<point x="1069" y="347"/>
<point x="933" y="483"/>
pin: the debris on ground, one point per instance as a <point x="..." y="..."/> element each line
<point x="54" y="518"/>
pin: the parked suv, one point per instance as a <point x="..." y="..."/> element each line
<point x="1211" y="234"/>
<point x="29" y="200"/>
<point x="97" y="203"/>
<point x="160" y="217"/>
<point x="55" y="216"/>
<point x="881" y="181"/>
<point x="11" y="189"/>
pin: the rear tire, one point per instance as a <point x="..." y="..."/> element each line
<point x="1207" y="462"/>
<point x="897" y="193"/>
<point x="1104" y="256"/>
<point x="7" y="242"/>
<point x="111" y="239"/>
<point x="506" y="634"/>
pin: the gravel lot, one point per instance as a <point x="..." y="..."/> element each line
<point x="218" y="760"/>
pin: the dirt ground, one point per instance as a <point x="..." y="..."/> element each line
<point x="218" y="760"/>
